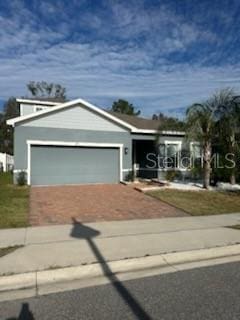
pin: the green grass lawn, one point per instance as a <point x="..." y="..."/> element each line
<point x="13" y="203"/>
<point x="200" y="202"/>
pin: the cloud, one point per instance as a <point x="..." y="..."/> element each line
<point x="101" y="75"/>
<point x="149" y="54"/>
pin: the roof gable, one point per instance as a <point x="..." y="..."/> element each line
<point x="75" y="117"/>
<point x="67" y="105"/>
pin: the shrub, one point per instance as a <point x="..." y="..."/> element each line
<point x="129" y="176"/>
<point x="170" y="175"/>
<point x="21" y="179"/>
<point x="178" y="175"/>
<point x="196" y="172"/>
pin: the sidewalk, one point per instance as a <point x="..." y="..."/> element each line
<point x="74" y="245"/>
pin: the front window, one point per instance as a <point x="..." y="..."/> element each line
<point x="172" y="155"/>
<point x="169" y="154"/>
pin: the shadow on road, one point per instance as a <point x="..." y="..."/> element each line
<point x="25" y="313"/>
<point x="81" y="231"/>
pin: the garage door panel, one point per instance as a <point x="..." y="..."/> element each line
<point x="73" y="165"/>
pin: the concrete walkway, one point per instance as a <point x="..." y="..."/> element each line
<point x="78" y="244"/>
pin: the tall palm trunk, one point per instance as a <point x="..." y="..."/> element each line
<point x="207" y="151"/>
<point x="232" y="151"/>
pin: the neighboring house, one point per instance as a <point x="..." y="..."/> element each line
<point x="78" y="143"/>
<point x="6" y="162"/>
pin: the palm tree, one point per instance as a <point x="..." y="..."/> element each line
<point x="201" y="127"/>
<point x="229" y="124"/>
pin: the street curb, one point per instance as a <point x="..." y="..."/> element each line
<point x="48" y="281"/>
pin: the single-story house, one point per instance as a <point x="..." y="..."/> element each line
<point x="6" y="162"/>
<point x="78" y="143"/>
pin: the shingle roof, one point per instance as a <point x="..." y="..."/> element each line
<point x="138" y="122"/>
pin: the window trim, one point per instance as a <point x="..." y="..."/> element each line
<point x="179" y="144"/>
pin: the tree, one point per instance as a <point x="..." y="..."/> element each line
<point x="10" y="110"/>
<point x="43" y="89"/>
<point x="201" y="124"/>
<point x="169" y="123"/>
<point x="123" y="106"/>
<point x="228" y="125"/>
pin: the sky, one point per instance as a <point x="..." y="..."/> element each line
<point x="162" y="56"/>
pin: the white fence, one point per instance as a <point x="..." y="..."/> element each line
<point x="6" y="162"/>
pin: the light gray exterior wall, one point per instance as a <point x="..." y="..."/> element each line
<point x="26" y="109"/>
<point x="138" y="136"/>
<point x="23" y="133"/>
<point x="76" y="117"/>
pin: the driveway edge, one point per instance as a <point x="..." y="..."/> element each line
<point x="56" y="280"/>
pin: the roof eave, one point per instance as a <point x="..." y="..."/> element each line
<point x="48" y="103"/>
<point x="165" y="132"/>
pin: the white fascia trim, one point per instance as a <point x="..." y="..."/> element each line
<point x="135" y="130"/>
<point x="48" y="103"/>
<point x="21" y="110"/>
<point x="90" y="106"/>
<point x="29" y="164"/>
<point x="169" y="132"/>
<point x="72" y="144"/>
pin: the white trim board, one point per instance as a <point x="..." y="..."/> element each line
<point x="72" y="144"/>
<point x="150" y="131"/>
<point x="44" y="103"/>
<point x="162" y="169"/>
<point x="173" y="142"/>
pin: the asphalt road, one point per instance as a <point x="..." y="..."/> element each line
<point x="205" y="293"/>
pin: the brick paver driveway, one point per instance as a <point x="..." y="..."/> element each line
<point x="57" y="205"/>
